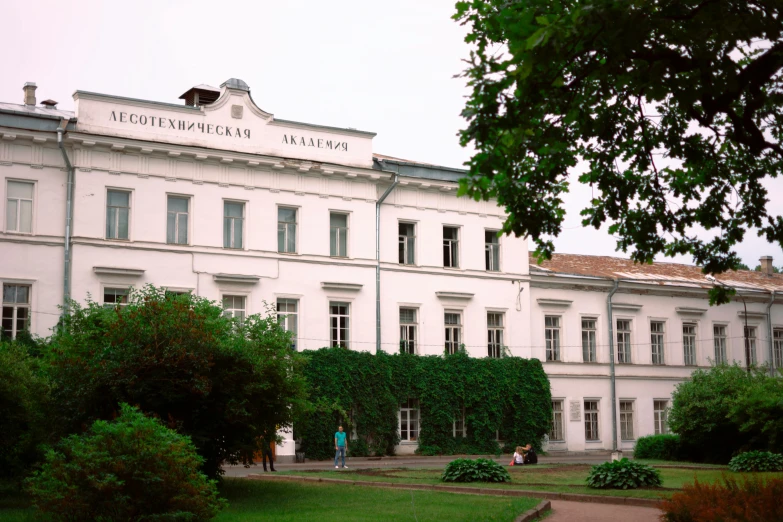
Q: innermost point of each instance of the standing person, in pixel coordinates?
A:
(340, 446)
(266, 452)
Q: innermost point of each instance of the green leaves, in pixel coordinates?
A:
(479, 470)
(756, 461)
(623, 474)
(676, 120)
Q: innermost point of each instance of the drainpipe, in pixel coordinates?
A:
(395, 181)
(611, 367)
(68, 219)
(769, 333)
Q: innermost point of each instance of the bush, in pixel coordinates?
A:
(479, 470)
(756, 461)
(748, 501)
(623, 474)
(24, 392)
(133, 468)
(220, 382)
(661, 447)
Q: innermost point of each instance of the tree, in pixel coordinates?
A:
(673, 107)
(219, 381)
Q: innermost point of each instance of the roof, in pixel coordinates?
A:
(413, 169)
(30, 110)
(670, 274)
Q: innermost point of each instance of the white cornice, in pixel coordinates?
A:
(112, 270)
(237, 278)
(454, 295)
(554, 302)
(687, 310)
(329, 285)
(84, 95)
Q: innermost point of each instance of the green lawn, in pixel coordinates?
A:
(251, 500)
(561, 478)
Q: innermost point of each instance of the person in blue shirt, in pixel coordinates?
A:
(340, 446)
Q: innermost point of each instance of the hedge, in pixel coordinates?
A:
(363, 392)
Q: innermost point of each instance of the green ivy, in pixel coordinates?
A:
(363, 392)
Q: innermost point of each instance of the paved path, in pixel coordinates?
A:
(404, 462)
(563, 511)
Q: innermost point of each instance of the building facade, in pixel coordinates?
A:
(350, 248)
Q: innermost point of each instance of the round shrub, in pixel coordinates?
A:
(623, 474)
(660, 447)
(132, 468)
(756, 461)
(479, 470)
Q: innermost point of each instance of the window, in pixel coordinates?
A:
(626, 420)
(591, 421)
(656, 341)
(286, 230)
(338, 234)
(460, 430)
(407, 243)
(777, 348)
(689, 344)
(557, 432)
(719, 338)
(588, 339)
(16, 310)
(288, 317)
(408, 337)
(660, 416)
(19, 207)
(494, 334)
(177, 220)
(338, 320)
(234, 306)
(113, 297)
(233, 224)
(453, 322)
(409, 420)
(552, 335)
(750, 348)
(117, 214)
(492, 250)
(623, 341)
(451, 247)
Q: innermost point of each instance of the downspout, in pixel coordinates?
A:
(395, 181)
(769, 333)
(68, 219)
(611, 364)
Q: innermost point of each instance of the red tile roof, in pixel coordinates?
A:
(619, 268)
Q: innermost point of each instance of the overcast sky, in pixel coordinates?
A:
(386, 67)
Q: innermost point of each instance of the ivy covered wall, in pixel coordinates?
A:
(509, 396)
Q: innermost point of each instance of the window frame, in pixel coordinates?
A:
(33, 213)
(284, 317)
(188, 199)
(553, 343)
(15, 306)
(339, 341)
(286, 226)
(496, 335)
(777, 348)
(555, 415)
(489, 248)
(627, 419)
(592, 340)
(691, 342)
(130, 194)
(107, 287)
(406, 243)
(627, 343)
(231, 312)
(595, 420)
(453, 247)
(406, 344)
(450, 346)
(660, 417)
(242, 219)
(752, 342)
(410, 406)
(658, 339)
(347, 233)
(723, 358)
(463, 431)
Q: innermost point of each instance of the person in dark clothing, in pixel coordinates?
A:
(530, 455)
(266, 452)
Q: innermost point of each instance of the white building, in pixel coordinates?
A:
(220, 198)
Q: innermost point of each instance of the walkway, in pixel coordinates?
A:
(563, 511)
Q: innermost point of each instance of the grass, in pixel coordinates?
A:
(564, 478)
(251, 500)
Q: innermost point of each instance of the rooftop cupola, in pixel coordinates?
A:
(200, 95)
(235, 83)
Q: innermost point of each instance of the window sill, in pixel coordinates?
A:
(289, 253)
(15, 233)
(409, 443)
(117, 239)
(593, 442)
(185, 244)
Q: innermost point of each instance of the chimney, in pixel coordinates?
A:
(29, 93)
(766, 265)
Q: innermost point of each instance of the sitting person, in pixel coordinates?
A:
(530, 455)
(519, 457)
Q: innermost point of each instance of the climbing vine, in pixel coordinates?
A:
(507, 397)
